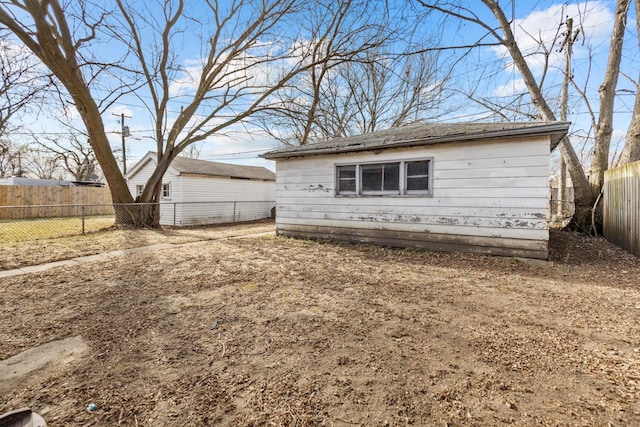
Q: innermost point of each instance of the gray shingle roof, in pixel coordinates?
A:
(185, 165)
(425, 134)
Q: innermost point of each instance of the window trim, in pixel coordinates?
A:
(429, 177)
(403, 192)
(357, 180)
(364, 192)
(167, 197)
(139, 189)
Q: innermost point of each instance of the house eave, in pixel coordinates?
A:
(205, 175)
(555, 130)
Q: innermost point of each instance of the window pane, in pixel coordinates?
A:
(371, 178)
(392, 177)
(346, 179)
(418, 184)
(418, 168)
(382, 177)
(347, 186)
(346, 172)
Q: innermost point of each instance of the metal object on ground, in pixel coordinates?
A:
(23, 417)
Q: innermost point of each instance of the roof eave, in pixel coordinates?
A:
(139, 165)
(556, 131)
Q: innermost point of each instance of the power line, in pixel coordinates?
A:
(242, 152)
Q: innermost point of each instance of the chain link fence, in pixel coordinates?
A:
(33, 222)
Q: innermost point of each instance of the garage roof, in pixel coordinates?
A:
(426, 134)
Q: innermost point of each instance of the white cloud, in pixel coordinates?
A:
(118, 110)
(242, 146)
(513, 87)
(253, 68)
(593, 19)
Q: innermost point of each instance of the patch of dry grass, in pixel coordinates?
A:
(276, 331)
(23, 230)
(41, 250)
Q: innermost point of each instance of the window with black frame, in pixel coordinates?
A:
(346, 179)
(380, 178)
(166, 191)
(417, 177)
(412, 177)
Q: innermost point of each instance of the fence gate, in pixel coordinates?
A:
(622, 207)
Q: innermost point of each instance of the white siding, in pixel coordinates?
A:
(141, 177)
(170, 212)
(210, 200)
(199, 199)
(495, 190)
(166, 209)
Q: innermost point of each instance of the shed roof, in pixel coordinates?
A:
(188, 166)
(426, 134)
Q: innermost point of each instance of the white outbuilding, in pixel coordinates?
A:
(198, 192)
(472, 187)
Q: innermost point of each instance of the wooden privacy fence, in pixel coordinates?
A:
(622, 207)
(29, 201)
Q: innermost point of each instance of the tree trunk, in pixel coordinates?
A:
(604, 128)
(631, 152)
(52, 44)
(584, 198)
(145, 210)
(562, 190)
(139, 215)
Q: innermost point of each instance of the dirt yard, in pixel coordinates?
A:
(273, 331)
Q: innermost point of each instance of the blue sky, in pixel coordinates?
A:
(542, 20)
(533, 19)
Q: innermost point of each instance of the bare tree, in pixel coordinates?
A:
(604, 128)
(11, 156)
(44, 29)
(631, 151)
(22, 89)
(299, 108)
(41, 164)
(192, 152)
(22, 83)
(250, 50)
(71, 153)
(388, 82)
(241, 70)
(585, 194)
(375, 90)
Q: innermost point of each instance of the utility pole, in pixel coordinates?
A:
(567, 45)
(125, 133)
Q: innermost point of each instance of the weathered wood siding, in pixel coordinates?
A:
(27, 201)
(622, 207)
(490, 197)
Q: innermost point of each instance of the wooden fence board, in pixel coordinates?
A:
(622, 207)
(25, 201)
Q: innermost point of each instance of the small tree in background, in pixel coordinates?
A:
(250, 50)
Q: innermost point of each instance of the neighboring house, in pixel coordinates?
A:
(473, 187)
(14, 180)
(200, 192)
